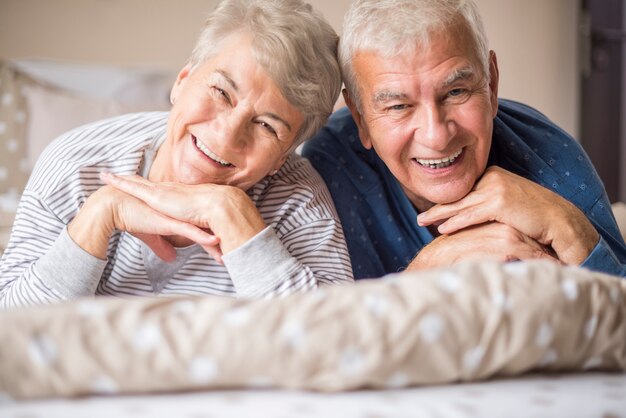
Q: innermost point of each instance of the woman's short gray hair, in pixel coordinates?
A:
(292, 42)
(392, 27)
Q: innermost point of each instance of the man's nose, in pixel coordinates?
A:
(436, 128)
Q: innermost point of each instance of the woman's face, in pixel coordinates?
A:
(229, 122)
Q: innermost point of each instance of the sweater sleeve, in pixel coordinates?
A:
(41, 263)
(303, 248)
(264, 267)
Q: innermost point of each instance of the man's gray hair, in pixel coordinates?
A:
(393, 27)
(292, 42)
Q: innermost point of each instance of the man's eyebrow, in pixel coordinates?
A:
(228, 79)
(466, 73)
(386, 95)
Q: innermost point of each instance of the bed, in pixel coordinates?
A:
(478, 339)
(538, 395)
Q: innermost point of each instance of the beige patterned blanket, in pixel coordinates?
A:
(470, 322)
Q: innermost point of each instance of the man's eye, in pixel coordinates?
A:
(457, 92)
(398, 107)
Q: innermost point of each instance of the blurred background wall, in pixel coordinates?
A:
(536, 40)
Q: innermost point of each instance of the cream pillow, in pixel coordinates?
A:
(13, 121)
(53, 111)
(469, 322)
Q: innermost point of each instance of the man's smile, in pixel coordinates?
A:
(440, 162)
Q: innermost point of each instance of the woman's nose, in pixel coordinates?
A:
(230, 129)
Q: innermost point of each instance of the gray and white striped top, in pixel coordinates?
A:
(302, 247)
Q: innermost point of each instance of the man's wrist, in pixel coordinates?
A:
(423, 257)
(574, 237)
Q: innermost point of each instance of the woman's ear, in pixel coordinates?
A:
(180, 78)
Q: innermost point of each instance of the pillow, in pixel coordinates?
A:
(14, 168)
(103, 82)
(53, 112)
(40, 100)
(469, 322)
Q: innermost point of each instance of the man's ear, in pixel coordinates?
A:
(358, 119)
(494, 78)
(180, 78)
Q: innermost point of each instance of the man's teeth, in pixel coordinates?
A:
(440, 162)
(211, 154)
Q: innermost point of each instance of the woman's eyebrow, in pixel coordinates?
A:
(234, 86)
(278, 119)
(228, 79)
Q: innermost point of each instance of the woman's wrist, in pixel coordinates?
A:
(92, 227)
(236, 219)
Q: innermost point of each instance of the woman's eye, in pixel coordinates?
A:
(222, 93)
(268, 128)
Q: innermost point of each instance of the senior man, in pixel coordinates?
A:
(428, 168)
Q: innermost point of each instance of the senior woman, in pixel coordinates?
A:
(205, 199)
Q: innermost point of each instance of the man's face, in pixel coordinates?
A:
(429, 116)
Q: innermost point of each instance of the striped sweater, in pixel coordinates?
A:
(302, 247)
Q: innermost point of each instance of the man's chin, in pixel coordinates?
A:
(428, 195)
(447, 196)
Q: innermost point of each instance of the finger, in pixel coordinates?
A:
(476, 215)
(153, 222)
(192, 232)
(172, 199)
(438, 213)
(529, 253)
(163, 249)
(543, 255)
(133, 185)
(215, 252)
(441, 212)
(157, 195)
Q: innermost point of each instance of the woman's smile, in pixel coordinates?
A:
(210, 154)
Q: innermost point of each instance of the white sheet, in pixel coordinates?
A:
(565, 395)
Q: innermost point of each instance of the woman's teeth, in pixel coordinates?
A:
(440, 162)
(211, 154)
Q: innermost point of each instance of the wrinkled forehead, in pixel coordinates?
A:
(378, 71)
(454, 36)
